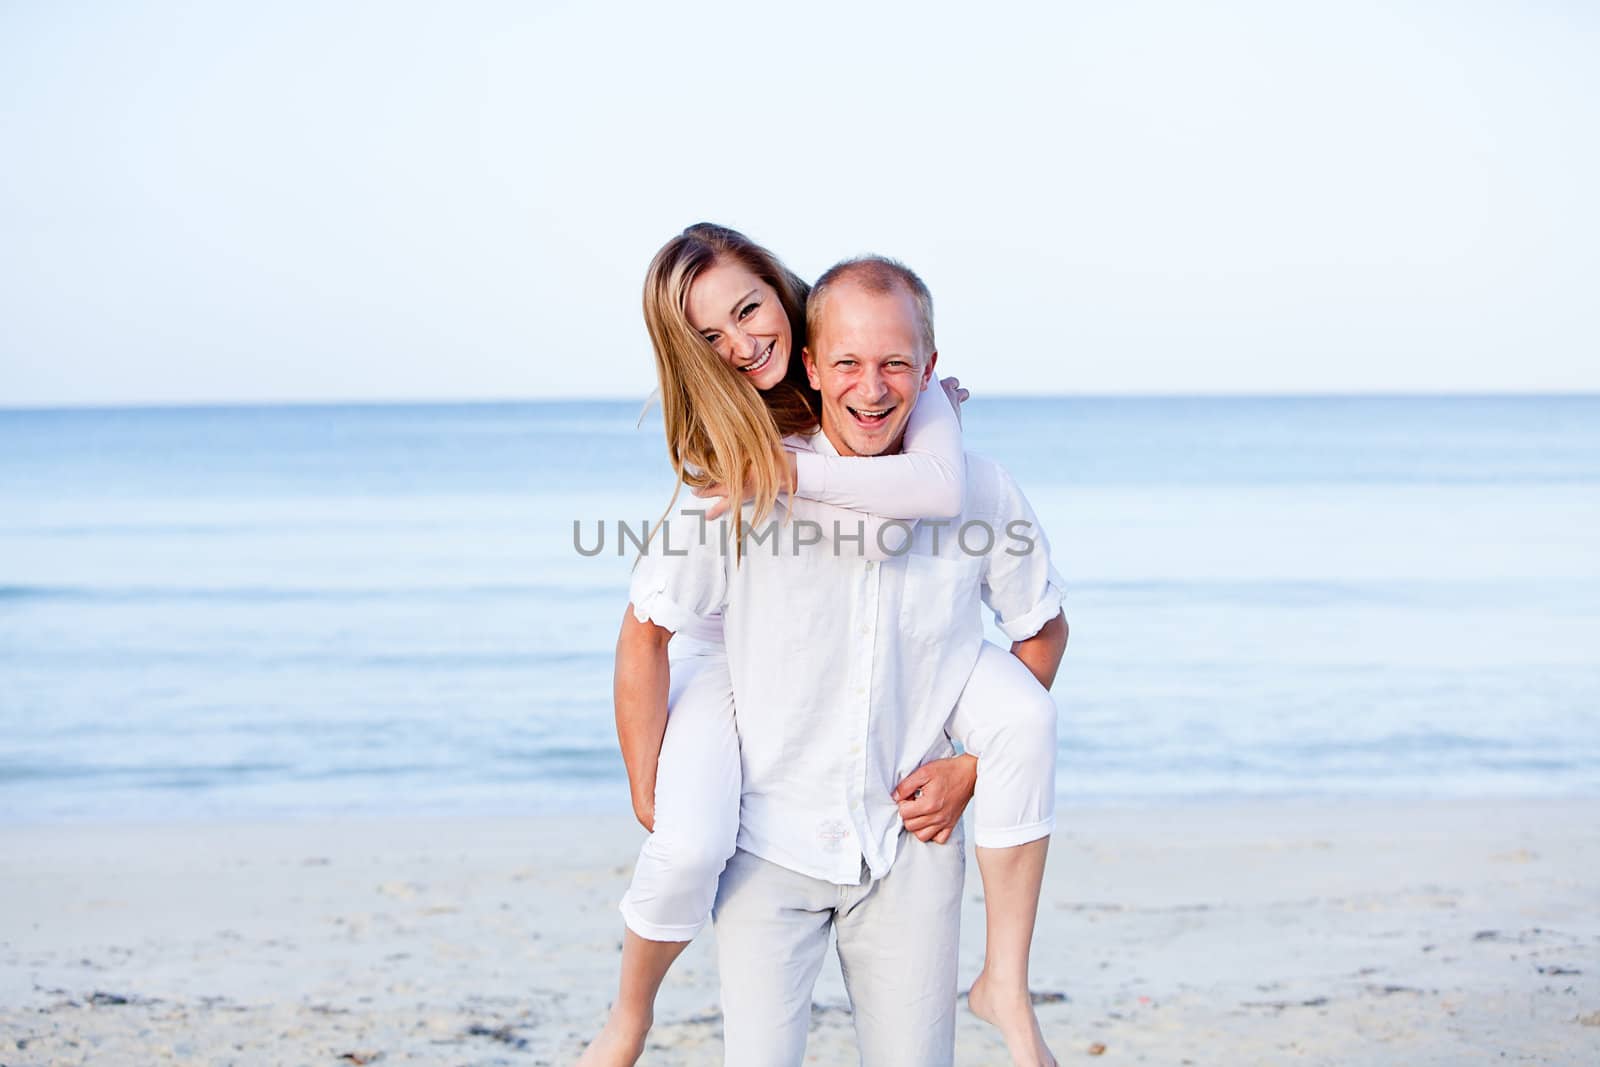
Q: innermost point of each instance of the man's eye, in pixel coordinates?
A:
(844, 363)
(749, 308)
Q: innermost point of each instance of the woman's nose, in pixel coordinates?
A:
(744, 346)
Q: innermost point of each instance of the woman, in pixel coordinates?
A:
(727, 321)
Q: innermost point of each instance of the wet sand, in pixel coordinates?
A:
(1321, 933)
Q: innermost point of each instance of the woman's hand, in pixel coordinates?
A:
(955, 394)
(718, 494)
(933, 796)
(724, 498)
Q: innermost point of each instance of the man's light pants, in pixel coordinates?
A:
(897, 941)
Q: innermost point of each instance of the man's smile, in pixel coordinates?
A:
(870, 418)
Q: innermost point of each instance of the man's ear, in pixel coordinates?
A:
(810, 362)
(927, 370)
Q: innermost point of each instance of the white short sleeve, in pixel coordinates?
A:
(682, 573)
(1020, 585)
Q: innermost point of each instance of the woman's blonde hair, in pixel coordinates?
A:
(720, 428)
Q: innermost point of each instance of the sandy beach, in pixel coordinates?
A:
(1411, 933)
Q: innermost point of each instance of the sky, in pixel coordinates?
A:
(228, 202)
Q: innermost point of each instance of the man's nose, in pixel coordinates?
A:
(872, 384)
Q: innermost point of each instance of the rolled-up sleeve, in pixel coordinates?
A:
(681, 575)
(1021, 584)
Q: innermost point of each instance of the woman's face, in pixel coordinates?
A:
(743, 319)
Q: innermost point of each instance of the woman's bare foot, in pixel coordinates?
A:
(619, 1044)
(1011, 1011)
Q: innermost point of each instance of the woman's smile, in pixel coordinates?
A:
(761, 361)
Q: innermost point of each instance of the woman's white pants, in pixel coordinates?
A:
(1004, 717)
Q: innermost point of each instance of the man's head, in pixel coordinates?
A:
(869, 351)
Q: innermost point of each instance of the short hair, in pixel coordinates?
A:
(875, 274)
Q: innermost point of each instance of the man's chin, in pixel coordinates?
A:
(877, 444)
(861, 441)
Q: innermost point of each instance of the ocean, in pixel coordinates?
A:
(287, 611)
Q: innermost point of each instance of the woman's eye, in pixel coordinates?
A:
(748, 308)
(711, 338)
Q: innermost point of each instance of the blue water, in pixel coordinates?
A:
(258, 612)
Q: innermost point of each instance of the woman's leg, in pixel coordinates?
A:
(620, 1042)
(675, 880)
(1008, 720)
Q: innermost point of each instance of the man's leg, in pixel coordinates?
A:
(772, 933)
(897, 947)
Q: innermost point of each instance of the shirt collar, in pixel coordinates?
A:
(820, 443)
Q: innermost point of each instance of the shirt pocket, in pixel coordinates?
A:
(940, 603)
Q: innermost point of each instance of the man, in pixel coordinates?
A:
(845, 671)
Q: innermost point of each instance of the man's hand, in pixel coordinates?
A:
(933, 796)
(642, 680)
(1042, 652)
(644, 809)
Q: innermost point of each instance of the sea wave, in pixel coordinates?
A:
(267, 593)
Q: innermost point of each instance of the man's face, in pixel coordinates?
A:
(867, 361)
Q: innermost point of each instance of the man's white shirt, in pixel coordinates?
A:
(845, 669)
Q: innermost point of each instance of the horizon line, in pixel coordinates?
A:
(649, 400)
